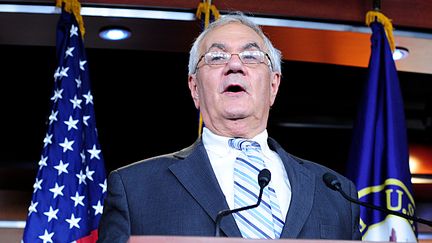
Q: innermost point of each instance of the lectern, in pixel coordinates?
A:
(195, 239)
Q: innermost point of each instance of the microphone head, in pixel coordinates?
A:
(264, 178)
(332, 181)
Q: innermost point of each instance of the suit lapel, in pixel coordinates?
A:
(302, 191)
(196, 175)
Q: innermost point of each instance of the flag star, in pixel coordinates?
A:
(57, 190)
(32, 207)
(73, 222)
(89, 173)
(67, 145)
(53, 117)
(47, 139)
(42, 162)
(46, 237)
(78, 199)
(63, 72)
(104, 186)
(57, 74)
(81, 177)
(83, 157)
(78, 81)
(88, 97)
(98, 208)
(71, 123)
(85, 118)
(57, 95)
(37, 185)
(76, 102)
(82, 63)
(61, 168)
(69, 51)
(94, 153)
(73, 31)
(51, 214)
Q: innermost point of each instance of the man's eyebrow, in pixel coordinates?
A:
(222, 47)
(251, 45)
(217, 45)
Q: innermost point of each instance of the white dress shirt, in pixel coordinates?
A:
(222, 158)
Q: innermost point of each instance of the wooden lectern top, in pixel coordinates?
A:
(196, 239)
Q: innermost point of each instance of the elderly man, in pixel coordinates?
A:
(234, 76)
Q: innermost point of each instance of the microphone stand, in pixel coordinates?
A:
(264, 178)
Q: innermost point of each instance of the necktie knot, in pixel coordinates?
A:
(244, 144)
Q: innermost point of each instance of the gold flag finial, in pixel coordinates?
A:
(374, 15)
(73, 6)
(207, 9)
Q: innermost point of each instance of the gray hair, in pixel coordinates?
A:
(237, 17)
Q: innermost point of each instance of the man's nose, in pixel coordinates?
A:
(234, 64)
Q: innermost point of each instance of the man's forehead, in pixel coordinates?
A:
(232, 35)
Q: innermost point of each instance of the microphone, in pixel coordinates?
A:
(264, 178)
(333, 183)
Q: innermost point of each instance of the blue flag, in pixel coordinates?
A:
(70, 186)
(378, 160)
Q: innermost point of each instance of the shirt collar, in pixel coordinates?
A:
(219, 144)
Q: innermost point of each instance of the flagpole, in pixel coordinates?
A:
(206, 8)
(377, 5)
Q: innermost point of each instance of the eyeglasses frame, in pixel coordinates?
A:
(231, 54)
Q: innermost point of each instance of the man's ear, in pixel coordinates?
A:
(274, 86)
(193, 87)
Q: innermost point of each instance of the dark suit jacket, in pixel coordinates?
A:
(178, 194)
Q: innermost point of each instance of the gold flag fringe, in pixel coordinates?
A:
(73, 6)
(372, 16)
(206, 7)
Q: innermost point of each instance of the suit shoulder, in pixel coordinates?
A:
(149, 162)
(156, 163)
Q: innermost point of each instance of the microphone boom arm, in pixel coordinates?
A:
(264, 177)
(333, 183)
(384, 210)
(226, 212)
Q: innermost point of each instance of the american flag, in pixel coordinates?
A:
(70, 186)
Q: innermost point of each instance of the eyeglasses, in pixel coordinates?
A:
(246, 57)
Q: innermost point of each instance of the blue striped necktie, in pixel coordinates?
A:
(265, 221)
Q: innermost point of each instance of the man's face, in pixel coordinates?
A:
(234, 98)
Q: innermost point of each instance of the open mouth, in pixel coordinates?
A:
(234, 89)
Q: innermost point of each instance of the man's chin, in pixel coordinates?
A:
(236, 115)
